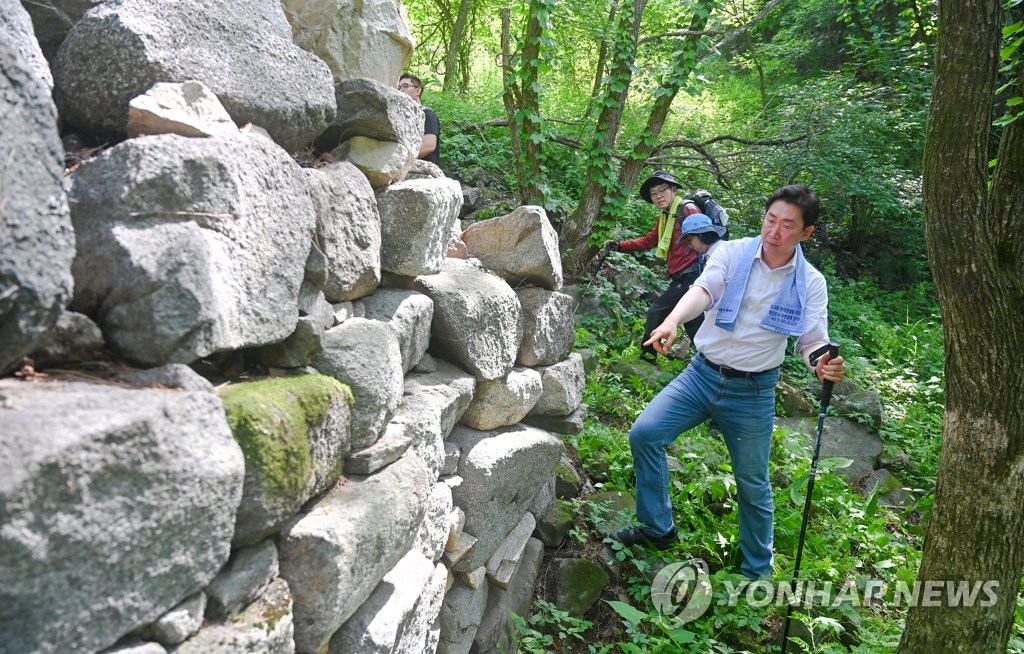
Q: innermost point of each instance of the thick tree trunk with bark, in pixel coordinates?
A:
(597, 193)
(602, 58)
(576, 228)
(523, 100)
(509, 88)
(452, 60)
(630, 172)
(975, 224)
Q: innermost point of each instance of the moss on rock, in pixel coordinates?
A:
(270, 419)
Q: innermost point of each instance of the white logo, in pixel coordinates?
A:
(682, 591)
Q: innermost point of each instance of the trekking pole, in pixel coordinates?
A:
(597, 268)
(826, 396)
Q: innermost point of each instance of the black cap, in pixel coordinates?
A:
(659, 176)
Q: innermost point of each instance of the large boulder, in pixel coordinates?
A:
(563, 387)
(16, 29)
(409, 314)
(383, 162)
(501, 402)
(431, 406)
(416, 219)
(380, 622)
(364, 38)
(365, 354)
(347, 230)
(521, 246)
(190, 246)
(294, 432)
(73, 339)
(849, 399)
(35, 230)
(242, 51)
(502, 471)
(336, 553)
(52, 19)
(117, 504)
(548, 329)
(842, 438)
(433, 533)
(370, 109)
(185, 108)
(478, 321)
(461, 616)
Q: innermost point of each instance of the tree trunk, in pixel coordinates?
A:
(600, 167)
(602, 59)
(529, 187)
(682, 68)
(451, 60)
(605, 200)
(974, 224)
(509, 95)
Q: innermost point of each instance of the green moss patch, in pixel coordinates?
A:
(271, 419)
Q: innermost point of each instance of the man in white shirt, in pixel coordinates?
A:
(756, 292)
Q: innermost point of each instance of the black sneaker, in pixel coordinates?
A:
(638, 535)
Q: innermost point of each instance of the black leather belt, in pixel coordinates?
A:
(726, 371)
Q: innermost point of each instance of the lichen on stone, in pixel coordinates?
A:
(270, 419)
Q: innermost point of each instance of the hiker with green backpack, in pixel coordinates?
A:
(662, 190)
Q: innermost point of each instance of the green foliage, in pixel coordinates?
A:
(548, 629)
(893, 341)
(1011, 91)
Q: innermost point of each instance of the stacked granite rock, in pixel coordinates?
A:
(379, 490)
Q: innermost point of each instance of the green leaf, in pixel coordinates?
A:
(629, 613)
(1008, 51)
(796, 490)
(836, 463)
(680, 636)
(872, 505)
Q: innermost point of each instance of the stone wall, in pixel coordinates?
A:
(245, 404)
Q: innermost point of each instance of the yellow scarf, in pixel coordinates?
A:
(666, 223)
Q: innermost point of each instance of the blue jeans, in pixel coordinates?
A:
(744, 410)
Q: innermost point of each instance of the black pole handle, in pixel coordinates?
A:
(827, 384)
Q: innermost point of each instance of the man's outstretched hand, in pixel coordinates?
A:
(662, 337)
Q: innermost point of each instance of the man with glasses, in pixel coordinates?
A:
(430, 148)
(757, 293)
(666, 238)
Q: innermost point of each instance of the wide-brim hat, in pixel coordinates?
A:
(698, 223)
(658, 177)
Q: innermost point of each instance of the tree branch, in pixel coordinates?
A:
(741, 30)
(678, 34)
(712, 162)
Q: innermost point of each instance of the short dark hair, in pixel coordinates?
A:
(415, 80)
(799, 195)
(708, 238)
